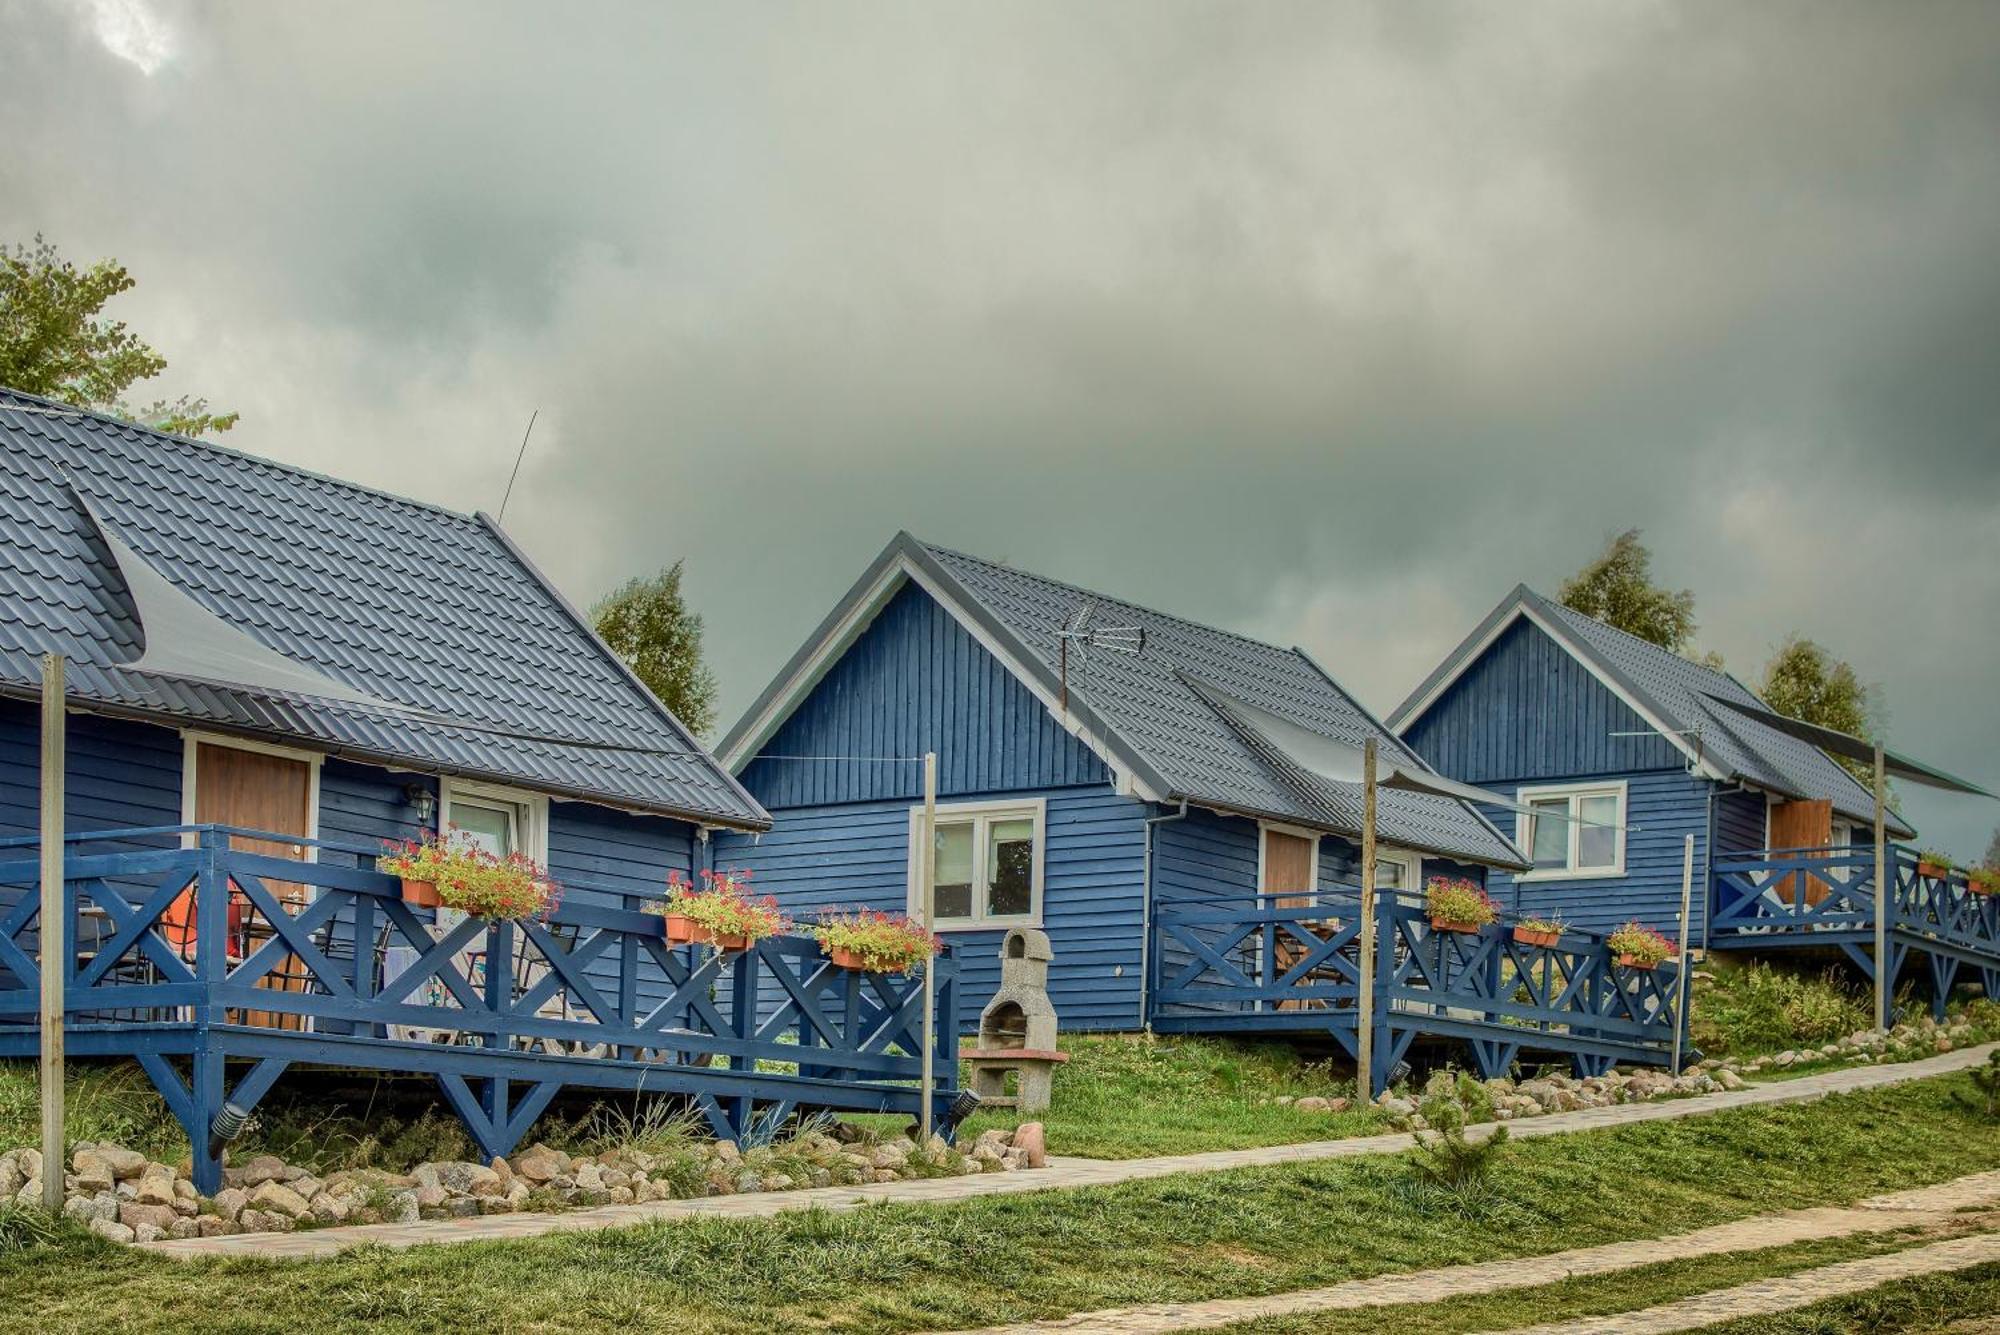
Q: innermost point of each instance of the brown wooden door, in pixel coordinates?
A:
(1802, 825)
(259, 791)
(1288, 867)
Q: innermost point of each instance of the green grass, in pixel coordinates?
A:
(996, 1259)
(1128, 1096)
(1598, 1295)
(1742, 1008)
(1963, 1302)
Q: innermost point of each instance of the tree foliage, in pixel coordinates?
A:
(647, 623)
(1617, 589)
(55, 343)
(1993, 852)
(1806, 682)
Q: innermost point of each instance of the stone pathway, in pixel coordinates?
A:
(1880, 1214)
(1061, 1173)
(1786, 1293)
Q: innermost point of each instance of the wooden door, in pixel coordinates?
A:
(1288, 868)
(1801, 825)
(260, 791)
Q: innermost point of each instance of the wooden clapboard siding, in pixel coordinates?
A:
(858, 856)
(1666, 806)
(118, 775)
(1527, 709)
(915, 680)
(1739, 821)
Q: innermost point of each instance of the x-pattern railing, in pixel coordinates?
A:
(592, 981)
(1833, 890)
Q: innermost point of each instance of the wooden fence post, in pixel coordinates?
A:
(1681, 978)
(927, 892)
(1364, 1075)
(54, 933)
(1883, 889)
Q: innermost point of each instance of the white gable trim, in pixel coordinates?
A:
(835, 644)
(1471, 654)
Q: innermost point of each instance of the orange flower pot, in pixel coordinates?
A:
(1529, 937)
(682, 930)
(846, 959)
(1634, 962)
(421, 894)
(1932, 869)
(1446, 925)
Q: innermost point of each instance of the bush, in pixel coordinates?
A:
(1748, 1009)
(1444, 1159)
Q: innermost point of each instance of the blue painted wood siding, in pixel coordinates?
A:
(858, 856)
(117, 775)
(915, 681)
(1527, 710)
(1666, 806)
(1741, 824)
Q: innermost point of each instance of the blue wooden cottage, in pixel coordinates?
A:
(1567, 715)
(269, 673)
(1152, 811)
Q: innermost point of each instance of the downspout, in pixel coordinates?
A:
(1146, 915)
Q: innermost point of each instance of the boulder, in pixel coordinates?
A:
(274, 1197)
(148, 1233)
(264, 1221)
(124, 1163)
(133, 1214)
(470, 1179)
(1313, 1103)
(1029, 1139)
(539, 1165)
(210, 1226)
(156, 1185)
(329, 1208)
(93, 1174)
(229, 1202)
(261, 1169)
(112, 1229)
(104, 1205)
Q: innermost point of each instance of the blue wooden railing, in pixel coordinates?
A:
(1251, 963)
(323, 962)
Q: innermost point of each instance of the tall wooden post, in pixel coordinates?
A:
(1364, 1075)
(927, 898)
(1681, 979)
(1882, 889)
(54, 933)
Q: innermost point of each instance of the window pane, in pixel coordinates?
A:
(1391, 875)
(487, 827)
(1548, 839)
(1011, 868)
(952, 869)
(1597, 845)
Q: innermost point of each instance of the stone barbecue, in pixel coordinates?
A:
(1017, 1030)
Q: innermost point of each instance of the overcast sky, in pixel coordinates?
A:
(1326, 323)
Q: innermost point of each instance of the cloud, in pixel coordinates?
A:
(1325, 323)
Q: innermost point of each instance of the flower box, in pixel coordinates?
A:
(1529, 936)
(682, 930)
(421, 894)
(1447, 925)
(874, 942)
(844, 958)
(1935, 870)
(1642, 964)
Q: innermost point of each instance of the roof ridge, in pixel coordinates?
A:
(1674, 654)
(1102, 596)
(231, 452)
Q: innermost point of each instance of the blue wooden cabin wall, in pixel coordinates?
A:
(916, 680)
(1527, 713)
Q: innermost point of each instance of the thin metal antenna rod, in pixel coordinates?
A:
(519, 455)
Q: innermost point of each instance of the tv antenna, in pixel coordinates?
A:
(1079, 630)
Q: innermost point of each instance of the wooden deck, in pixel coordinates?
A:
(1250, 964)
(346, 975)
(1824, 898)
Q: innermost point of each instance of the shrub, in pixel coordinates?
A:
(884, 944)
(722, 906)
(1744, 1009)
(1455, 899)
(1444, 1158)
(1639, 943)
(1986, 1083)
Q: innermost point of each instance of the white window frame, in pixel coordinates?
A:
(1406, 858)
(193, 740)
(534, 807)
(1575, 792)
(982, 815)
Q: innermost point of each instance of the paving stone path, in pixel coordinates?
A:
(1880, 1214)
(1061, 1173)
(1766, 1297)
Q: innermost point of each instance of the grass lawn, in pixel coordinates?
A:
(1610, 1294)
(1130, 1096)
(996, 1259)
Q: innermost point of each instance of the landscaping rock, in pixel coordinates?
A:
(263, 1168)
(124, 1163)
(1029, 1140)
(156, 1185)
(112, 1229)
(93, 1174)
(229, 1202)
(274, 1197)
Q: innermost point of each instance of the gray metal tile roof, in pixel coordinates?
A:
(1672, 688)
(429, 609)
(1153, 705)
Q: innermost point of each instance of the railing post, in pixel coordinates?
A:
(499, 979)
(54, 931)
(211, 919)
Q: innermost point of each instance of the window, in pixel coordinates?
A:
(498, 820)
(1397, 870)
(987, 861)
(1573, 832)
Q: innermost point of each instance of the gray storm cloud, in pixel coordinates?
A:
(1324, 323)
